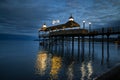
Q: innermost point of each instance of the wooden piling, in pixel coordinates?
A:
(72, 46)
(78, 46)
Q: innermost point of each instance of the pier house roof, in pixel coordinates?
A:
(70, 24)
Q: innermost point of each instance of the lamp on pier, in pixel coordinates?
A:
(44, 25)
(83, 24)
(71, 18)
(90, 26)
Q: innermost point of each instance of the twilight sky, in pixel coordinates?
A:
(27, 16)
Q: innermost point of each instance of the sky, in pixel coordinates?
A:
(27, 16)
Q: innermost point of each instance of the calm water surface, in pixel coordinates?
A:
(26, 60)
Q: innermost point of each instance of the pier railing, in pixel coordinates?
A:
(108, 29)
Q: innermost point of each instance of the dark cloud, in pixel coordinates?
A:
(26, 16)
(21, 14)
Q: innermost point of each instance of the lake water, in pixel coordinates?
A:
(26, 60)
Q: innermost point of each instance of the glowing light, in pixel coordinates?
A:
(90, 23)
(44, 26)
(83, 21)
(58, 21)
(83, 24)
(71, 19)
(55, 21)
(55, 67)
(41, 63)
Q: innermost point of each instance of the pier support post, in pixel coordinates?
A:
(69, 45)
(56, 44)
(102, 46)
(72, 46)
(62, 45)
(83, 44)
(52, 43)
(39, 36)
(49, 42)
(108, 47)
(59, 43)
(89, 45)
(102, 49)
(82, 54)
(78, 46)
(93, 47)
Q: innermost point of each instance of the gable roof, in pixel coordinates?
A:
(69, 24)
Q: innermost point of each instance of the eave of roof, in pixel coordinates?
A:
(69, 24)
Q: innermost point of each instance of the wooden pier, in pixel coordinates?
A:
(57, 37)
(71, 31)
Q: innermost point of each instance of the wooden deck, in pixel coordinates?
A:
(69, 32)
(78, 32)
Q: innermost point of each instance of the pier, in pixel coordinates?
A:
(61, 40)
(72, 31)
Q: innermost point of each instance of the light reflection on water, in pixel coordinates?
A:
(90, 70)
(41, 63)
(45, 60)
(70, 71)
(60, 64)
(56, 63)
(86, 70)
(20, 62)
(83, 71)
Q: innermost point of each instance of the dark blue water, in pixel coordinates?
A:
(26, 60)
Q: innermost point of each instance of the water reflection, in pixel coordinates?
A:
(86, 70)
(70, 71)
(56, 63)
(83, 71)
(117, 46)
(50, 64)
(90, 69)
(41, 63)
(69, 67)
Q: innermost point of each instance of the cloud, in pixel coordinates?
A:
(26, 16)
(17, 14)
